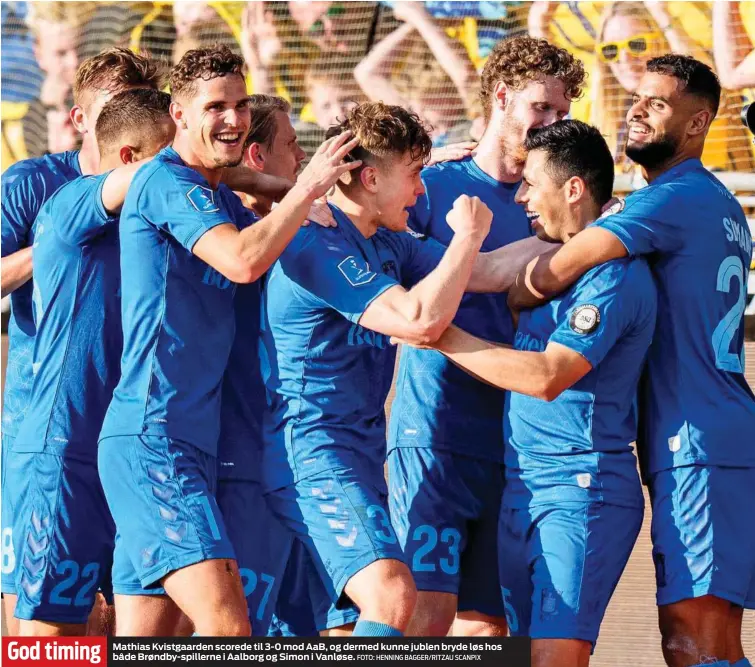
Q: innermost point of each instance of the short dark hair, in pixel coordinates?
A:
(698, 79)
(133, 113)
(115, 70)
(203, 64)
(575, 148)
(384, 131)
(264, 128)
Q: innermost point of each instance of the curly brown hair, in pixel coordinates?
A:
(384, 131)
(203, 64)
(115, 70)
(519, 60)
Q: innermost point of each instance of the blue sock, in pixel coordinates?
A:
(375, 629)
(744, 662)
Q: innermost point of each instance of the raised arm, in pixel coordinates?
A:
(422, 313)
(544, 375)
(449, 53)
(551, 273)
(733, 50)
(496, 271)
(373, 73)
(17, 269)
(243, 256)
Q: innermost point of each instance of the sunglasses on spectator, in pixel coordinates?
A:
(637, 45)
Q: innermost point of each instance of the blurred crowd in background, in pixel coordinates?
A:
(325, 56)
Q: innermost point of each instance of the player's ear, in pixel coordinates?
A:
(699, 123)
(127, 154)
(255, 156)
(177, 114)
(79, 119)
(499, 97)
(574, 189)
(368, 178)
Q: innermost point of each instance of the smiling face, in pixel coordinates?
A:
(397, 186)
(215, 120)
(543, 198)
(658, 119)
(629, 66)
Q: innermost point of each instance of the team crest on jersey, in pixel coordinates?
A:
(356, 271)
(202, 199)
(613, 209)
(585, 319)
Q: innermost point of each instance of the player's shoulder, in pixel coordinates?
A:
(625, 273)
(46, 170)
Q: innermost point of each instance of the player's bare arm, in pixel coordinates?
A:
(17, 269)
(423, 312)
(243, 179)
(543, 375)
(243, 256)
(551, 273)
(496, 271)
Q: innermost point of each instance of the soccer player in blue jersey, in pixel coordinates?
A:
(697, 412)
(26, 186)
(259, 539)
(330, 303)
(186, 240)
(60, 508)
(572, 504)
(446, 428)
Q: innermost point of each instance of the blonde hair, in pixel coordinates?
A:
(73, 14)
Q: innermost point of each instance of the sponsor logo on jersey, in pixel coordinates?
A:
(585, 319)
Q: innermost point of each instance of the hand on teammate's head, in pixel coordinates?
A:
(327, 164)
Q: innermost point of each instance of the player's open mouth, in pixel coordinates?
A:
(639, 131)
(533, 217)
(229, 138)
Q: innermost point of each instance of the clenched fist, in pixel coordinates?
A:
(470, 215)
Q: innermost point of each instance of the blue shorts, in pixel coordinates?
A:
(162, 496)
(8, 567)
(341, 517)
(64, 535)
(261, 544)
(703, 533)
(445, 509)
(304, 608)
(560, 564)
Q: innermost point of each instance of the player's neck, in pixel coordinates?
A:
(191, 159)
(651, 174)
(496, 162)
(360, 215)
(580, 217)
(89, 156)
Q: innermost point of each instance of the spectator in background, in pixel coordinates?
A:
(572, 26)
(441, 92)
(630, 34)
(56, 29)
(734, 46)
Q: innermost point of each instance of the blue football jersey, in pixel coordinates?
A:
(243, 402)
(437, 404)
(178, 316)
(26, 186)
(697, 407)
(78, 343)
(578, 446)
(327, 377)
